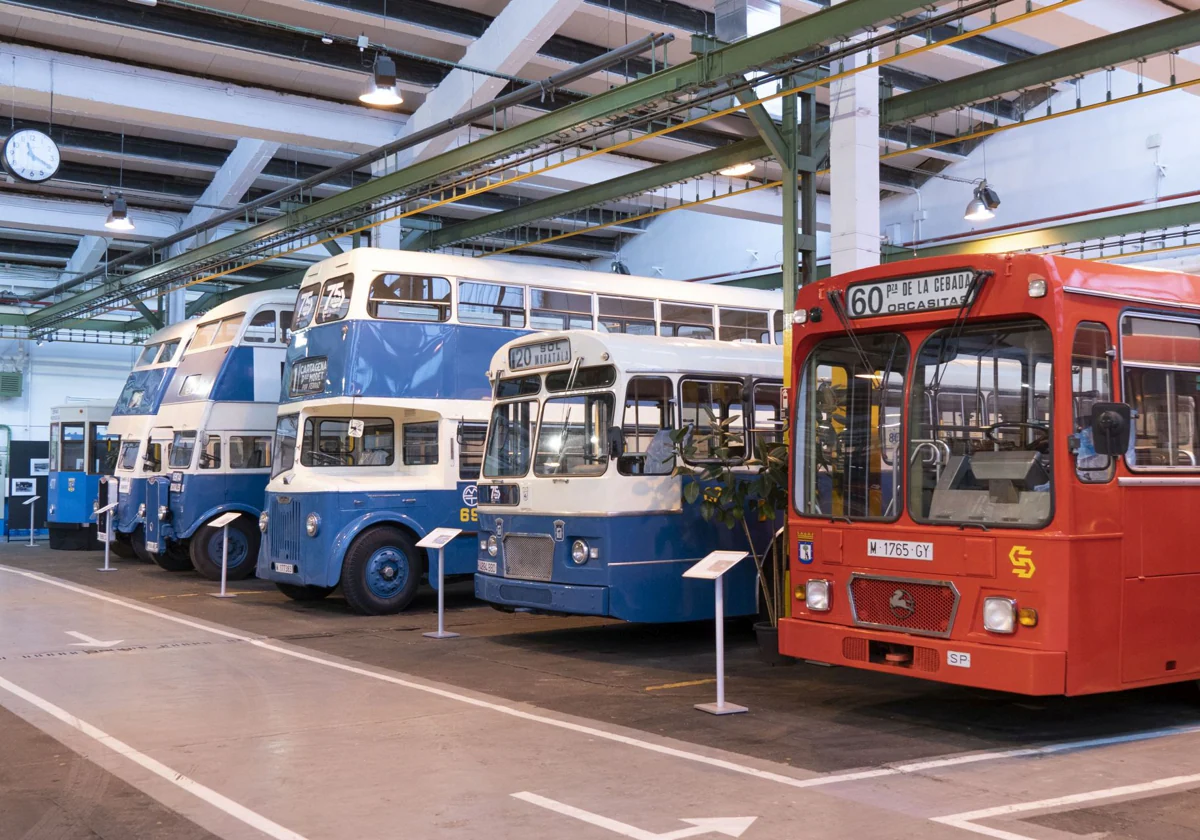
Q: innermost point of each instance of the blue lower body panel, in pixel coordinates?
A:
(547, 597)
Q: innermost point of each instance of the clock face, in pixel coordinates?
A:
(31, 156)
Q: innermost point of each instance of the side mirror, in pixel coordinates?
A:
(616, 442)
(1111, 426)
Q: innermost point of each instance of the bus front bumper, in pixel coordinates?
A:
(544, 597)
(996, 667)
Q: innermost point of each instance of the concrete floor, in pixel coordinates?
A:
(257, 716)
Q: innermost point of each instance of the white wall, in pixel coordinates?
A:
(1073, 164)
(55, 372)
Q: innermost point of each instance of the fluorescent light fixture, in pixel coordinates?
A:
(738, 169)
(381, 90)
(118, 216)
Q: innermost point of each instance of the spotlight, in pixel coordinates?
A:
(118, 216)
(982, 203)
(381, 90)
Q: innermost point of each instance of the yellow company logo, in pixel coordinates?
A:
(1022, 560)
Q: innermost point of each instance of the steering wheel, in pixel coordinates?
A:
(1020, 424)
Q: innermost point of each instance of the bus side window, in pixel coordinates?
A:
(701, 400)
(490, 304)
(249, 452)
(767, 418)
(420, 445)
(646, 426)
(471, 437)
(104, 450)
(686, 320)
(261, 329)
(626, 315)
(1161, 362)
(744, 325)
(73, 443)
(409, 297)
(1091, 383)
(210, 456)
(554, 310)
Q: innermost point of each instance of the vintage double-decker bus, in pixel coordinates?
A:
(995, 472)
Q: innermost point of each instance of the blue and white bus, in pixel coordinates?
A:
(82, 451)
(386, 399)
(579, 512)
(132, 418)
(214, 432)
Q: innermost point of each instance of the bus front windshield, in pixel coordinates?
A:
(283, 456)
(510, 439)
(851, 398)
(573, 438)
(979, 442)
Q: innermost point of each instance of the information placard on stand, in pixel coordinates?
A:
(223, 522)
(713, 567)
(105, 536)
(439, 538)
(29, 504)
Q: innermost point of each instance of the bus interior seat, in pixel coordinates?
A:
(374, 458)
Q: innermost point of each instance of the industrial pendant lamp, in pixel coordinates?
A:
(118, 216)
(982, 203)
(381, 90)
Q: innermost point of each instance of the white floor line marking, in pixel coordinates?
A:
(662, 749)
(729, 826)
(968, 819)
(207, 794)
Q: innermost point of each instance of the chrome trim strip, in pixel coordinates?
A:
(1158, 481)
(655, 562)
(1131, 298)
(924, 581)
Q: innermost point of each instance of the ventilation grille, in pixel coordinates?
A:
(528, 557)
(912, 606)
(11, 383)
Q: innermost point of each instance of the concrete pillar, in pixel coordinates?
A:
(854, 167)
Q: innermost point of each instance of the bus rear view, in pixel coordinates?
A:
(958, 514)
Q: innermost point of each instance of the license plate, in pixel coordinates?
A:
(124, 484)
(911, 294)
(152, 547)
(284, 568)
(955, 659)
(898, 550)
(540, 354)
(488, 567)
(177, 488)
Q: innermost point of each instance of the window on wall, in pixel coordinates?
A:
(744, 325)
(702, 401)
(409, 297)
(646, 424)
(626, 315)
(73, 448)
(471, 437)
(261, 329)
(491, 304)
(249, 452)
(1161, 361)
(685, 320)
(1091, 383)
(554, 310)
(335, 299)
(210, 455)
(420, 444)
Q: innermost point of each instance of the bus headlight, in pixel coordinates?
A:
(142, 511)
(52, 509)
(493, 547)
(999, 615)
(163, 513)
(312, 524)
(579, 552)
(263, 519)
(816, 595)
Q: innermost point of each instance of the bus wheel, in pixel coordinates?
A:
(122, 547)
(304, 593)
(243, 549)
(137, 541)
(382, 572)
(174, 559)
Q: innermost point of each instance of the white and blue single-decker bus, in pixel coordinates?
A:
(82, 452)
(386, 399)
(579, 510)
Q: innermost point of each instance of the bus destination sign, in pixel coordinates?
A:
(911, 294)
(539, 355)
(308, 376)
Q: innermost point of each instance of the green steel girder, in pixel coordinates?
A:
(150, 316)
(1162, 218)
(610, 190)
(768, 49)
(1119, 48)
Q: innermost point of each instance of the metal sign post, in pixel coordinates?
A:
(438, 538)
(223, 522)
(106, 512)
(713, 567)
(29, 504)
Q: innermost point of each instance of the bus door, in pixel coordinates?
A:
(1160, 358)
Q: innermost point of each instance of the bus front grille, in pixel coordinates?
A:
(528, 556)
(921, 607)
(283, 531)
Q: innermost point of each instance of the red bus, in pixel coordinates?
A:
(995, 474)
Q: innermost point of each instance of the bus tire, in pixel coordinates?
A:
(205, 549)
(122, 546)
(137, 541)
(304, 593)
(382, 571)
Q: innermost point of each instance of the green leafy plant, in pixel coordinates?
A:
(733, 489)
